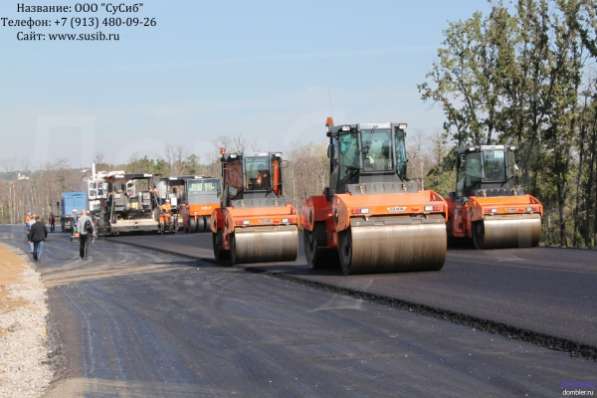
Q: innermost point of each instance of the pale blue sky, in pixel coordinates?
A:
(267, 70)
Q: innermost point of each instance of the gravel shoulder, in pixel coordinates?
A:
(24, 368)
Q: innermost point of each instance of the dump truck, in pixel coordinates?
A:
(255, 222)
(131, 204)
(371, 217)
(489, 207)
(72, 204)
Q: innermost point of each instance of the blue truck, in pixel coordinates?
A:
(72, 205)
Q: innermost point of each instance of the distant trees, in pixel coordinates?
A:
(37, 191)
(307, 171)
(526, 76)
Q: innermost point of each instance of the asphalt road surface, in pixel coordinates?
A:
(546, 290)
(134, 322)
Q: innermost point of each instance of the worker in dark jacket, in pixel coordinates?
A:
(37, 235)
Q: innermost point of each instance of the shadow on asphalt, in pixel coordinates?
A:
(186, 263)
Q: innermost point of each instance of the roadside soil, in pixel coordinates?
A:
(24, 368)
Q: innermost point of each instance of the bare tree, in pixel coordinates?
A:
(175, 158)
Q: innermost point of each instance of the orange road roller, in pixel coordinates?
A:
(255, 222)
(371, 218)
(202, 198)
(489, 207)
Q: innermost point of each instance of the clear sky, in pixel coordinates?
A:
(269, 71)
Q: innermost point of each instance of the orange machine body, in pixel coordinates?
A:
(462, 214)
(229, 220)
(202, 209)
(343, 209)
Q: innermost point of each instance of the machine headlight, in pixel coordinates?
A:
(364, 210)
(284, 221)
(428, 208)
(493, 211)
(246, 222)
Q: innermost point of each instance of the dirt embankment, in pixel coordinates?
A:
(24, 369)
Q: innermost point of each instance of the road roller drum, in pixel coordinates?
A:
(507, 231)
(266, 243)
(400, 244)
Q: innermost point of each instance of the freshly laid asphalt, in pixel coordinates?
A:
(131, 321)
(545, 290)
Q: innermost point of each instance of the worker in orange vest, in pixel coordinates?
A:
(28, 220)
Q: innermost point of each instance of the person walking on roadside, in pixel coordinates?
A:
(52, 221)
(37, 235)
(86, 232)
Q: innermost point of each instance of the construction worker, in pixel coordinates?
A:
(165, 215)
(29, 220)
(86, 232)
(52, 221)
(37, 235)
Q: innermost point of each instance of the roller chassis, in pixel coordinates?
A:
(254, 234)
(496, 222)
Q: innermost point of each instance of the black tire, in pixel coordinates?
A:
(222, 257)
(479, 235)
(192, 225)
(232, 252)
(318, 257)
(206, 222)
(200, 224)
(345, 251)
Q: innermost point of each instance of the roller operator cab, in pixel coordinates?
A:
(489, 207)
(255, 222)
(371, 218)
